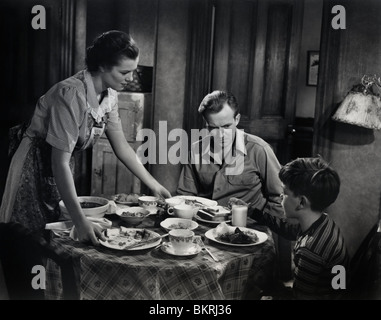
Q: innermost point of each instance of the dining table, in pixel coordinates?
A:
(104, 273)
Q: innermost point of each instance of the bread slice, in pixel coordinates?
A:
(216, 214)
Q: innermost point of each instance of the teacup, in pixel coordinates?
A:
(183, 210)
(148, 202)
(171, 202)
(181, 240)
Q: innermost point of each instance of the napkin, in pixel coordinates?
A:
(112, 207)
(60, 226)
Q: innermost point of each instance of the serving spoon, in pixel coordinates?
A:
(150, 214)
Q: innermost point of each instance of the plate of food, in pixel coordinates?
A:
(236, 236)
(130, 199)
(123, 238)
(214, 215)
(198, 201)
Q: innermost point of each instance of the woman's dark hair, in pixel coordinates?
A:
(312, 178)
(108, 48)
(214, 102)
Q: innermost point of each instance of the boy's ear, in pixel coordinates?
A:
(103, 68)
(303, 202)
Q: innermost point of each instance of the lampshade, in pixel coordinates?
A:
(361, 108)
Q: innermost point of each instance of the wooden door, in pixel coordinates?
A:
(109, 176)
(255, 56)
(256, 53)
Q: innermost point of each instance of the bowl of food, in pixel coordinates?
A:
(92, 206)
(130, 199)
(178, 223)
(133, 216)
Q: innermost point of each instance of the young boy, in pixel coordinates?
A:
(309, 187)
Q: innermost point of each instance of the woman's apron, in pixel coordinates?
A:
(36, 198)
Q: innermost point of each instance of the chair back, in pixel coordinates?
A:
(364, 270)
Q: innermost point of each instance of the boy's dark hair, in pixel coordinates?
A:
(313, 178)
(214, 102)
(108, 48)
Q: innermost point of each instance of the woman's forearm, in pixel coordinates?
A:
(65, 184)
(128, 157)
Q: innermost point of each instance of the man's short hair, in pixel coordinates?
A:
(312, 178)
(214, 102)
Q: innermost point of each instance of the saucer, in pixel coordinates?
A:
(167, 248)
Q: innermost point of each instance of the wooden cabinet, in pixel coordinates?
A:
(109, 176)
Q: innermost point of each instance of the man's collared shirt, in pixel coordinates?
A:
(249, 172)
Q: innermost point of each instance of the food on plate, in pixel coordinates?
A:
(179, 225)
(239, 236)
(217, 213)
(225, 233)
(123, 237)
(212, 210)
(211, 217)
(194, 203)
(133, 214)
(127, 197)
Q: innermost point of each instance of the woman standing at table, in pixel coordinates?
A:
(68, 118)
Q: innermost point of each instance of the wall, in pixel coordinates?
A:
(138, 17)
(169, 82)
(306, 95)
(353, 151)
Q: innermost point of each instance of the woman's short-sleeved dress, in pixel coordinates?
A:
(69, 118)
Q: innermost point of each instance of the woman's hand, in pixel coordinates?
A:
(235, 201)
(161, 192)
(126, 154)
(88, 232)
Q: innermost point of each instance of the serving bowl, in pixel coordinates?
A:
(92, 206)
(133, 216)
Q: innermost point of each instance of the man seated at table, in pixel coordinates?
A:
(227, 162)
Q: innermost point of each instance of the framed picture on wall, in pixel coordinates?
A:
(312, 67)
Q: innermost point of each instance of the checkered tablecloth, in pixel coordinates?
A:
(107, 274)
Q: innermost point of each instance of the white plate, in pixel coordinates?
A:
(204, 201)
(178, 223)
(130, 241)
(262, 237)
(210, 221)
(167, 248)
